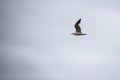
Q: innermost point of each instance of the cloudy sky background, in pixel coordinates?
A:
(35, 40)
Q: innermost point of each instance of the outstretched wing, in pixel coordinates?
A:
(77, 27)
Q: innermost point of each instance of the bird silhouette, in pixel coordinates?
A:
(78, 29)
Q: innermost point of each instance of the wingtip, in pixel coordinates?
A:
(80, 19)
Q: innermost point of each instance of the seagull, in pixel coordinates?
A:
(78, 29)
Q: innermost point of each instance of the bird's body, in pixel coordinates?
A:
(78, 34)
(78, 29)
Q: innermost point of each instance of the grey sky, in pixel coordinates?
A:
(36, 43)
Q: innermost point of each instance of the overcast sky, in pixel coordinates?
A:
(36, 43)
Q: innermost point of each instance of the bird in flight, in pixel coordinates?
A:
(78, 29)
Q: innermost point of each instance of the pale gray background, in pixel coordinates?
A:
(35, 40)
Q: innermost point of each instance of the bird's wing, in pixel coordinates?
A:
(77, 27)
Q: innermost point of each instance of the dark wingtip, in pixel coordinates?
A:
(80, 19)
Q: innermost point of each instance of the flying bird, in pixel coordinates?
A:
(78, 29)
